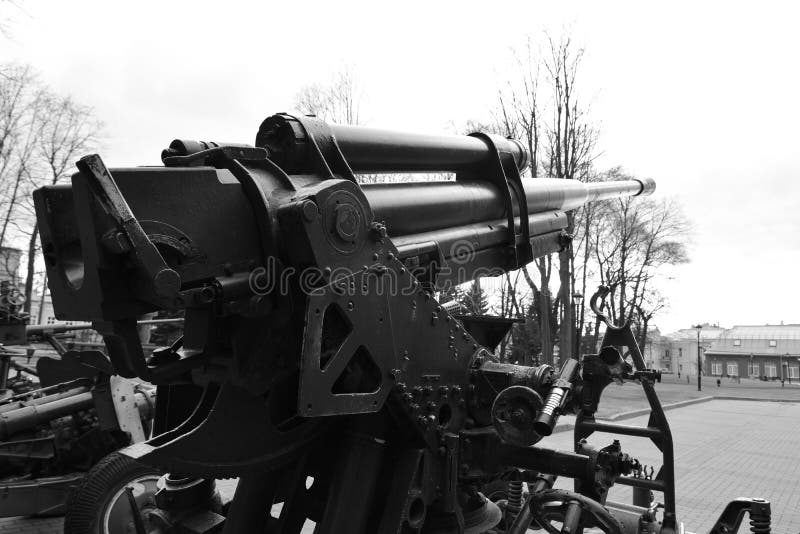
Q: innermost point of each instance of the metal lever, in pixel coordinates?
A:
(129, 234)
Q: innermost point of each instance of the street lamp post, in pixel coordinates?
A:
(783, 373)
(699, 368)
(577, 298)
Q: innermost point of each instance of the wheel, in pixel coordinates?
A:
(580, 512)
(100, 504)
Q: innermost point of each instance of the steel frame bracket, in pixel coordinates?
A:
(502, 171)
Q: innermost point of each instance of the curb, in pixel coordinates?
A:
(723, 397)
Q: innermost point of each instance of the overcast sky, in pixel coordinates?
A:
(701, 97)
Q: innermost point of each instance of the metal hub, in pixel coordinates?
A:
(119, 515)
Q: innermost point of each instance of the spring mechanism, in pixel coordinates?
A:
(549, 415)
(759, 523)
(553, 401)
(514, 497)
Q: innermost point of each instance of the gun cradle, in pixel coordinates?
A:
(314, 345)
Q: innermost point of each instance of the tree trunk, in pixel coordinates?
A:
(31, 265)
(42, 300)
(544, 321)
(11, 205)
(581, 314)
(567, 337)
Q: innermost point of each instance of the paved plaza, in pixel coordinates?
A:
(723, 449)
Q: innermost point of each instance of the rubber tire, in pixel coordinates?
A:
(87, 501)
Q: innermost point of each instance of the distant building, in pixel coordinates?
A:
(9, 264)
(681, 347)
(771, 351)
(42, 310)
(656, 350)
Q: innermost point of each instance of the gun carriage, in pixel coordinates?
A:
(316, 364)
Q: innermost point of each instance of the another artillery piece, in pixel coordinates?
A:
(51, 436)
(61, 416)
(315, 349)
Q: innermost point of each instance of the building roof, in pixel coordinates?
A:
(788, 332)
(706, 333)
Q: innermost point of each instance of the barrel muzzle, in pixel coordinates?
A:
(648, 186)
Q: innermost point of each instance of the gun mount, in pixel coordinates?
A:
(314, 346)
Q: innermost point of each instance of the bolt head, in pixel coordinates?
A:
(347, 221)
(310, 211)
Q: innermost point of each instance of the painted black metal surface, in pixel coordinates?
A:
(313, 330)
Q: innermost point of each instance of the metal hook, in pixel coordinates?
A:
(601, 293)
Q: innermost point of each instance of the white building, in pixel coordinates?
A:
(681, 347)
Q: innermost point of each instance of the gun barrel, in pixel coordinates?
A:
(31, 415)
(245, 202)
(42, 329)
(417, 207)
(373, 150)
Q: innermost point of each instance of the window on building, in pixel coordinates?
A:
(716, 368)
(51, 320)
(773, 343)
(737, 342)
(794, 372)
(752, 369)
(666, 353)
(680, 353)
(733, 369)
(770, 370)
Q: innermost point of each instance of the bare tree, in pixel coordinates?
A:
(630, 240)
(570, 148)
(67, 130)
(519, 113)
(540, 106)
(511, 302)
(41, 135)
(21, 98)
(8, 9)
(338, 102)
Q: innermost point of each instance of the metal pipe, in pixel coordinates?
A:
(33, 399)
(372, 150)
(375, 150)
(625, 430)
(17, 404)
(40, 329)
(418, 207)
(560, 463)
(27, 417)
(480, 236)
(656, 485)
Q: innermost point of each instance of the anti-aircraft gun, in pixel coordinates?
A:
(317, 365)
